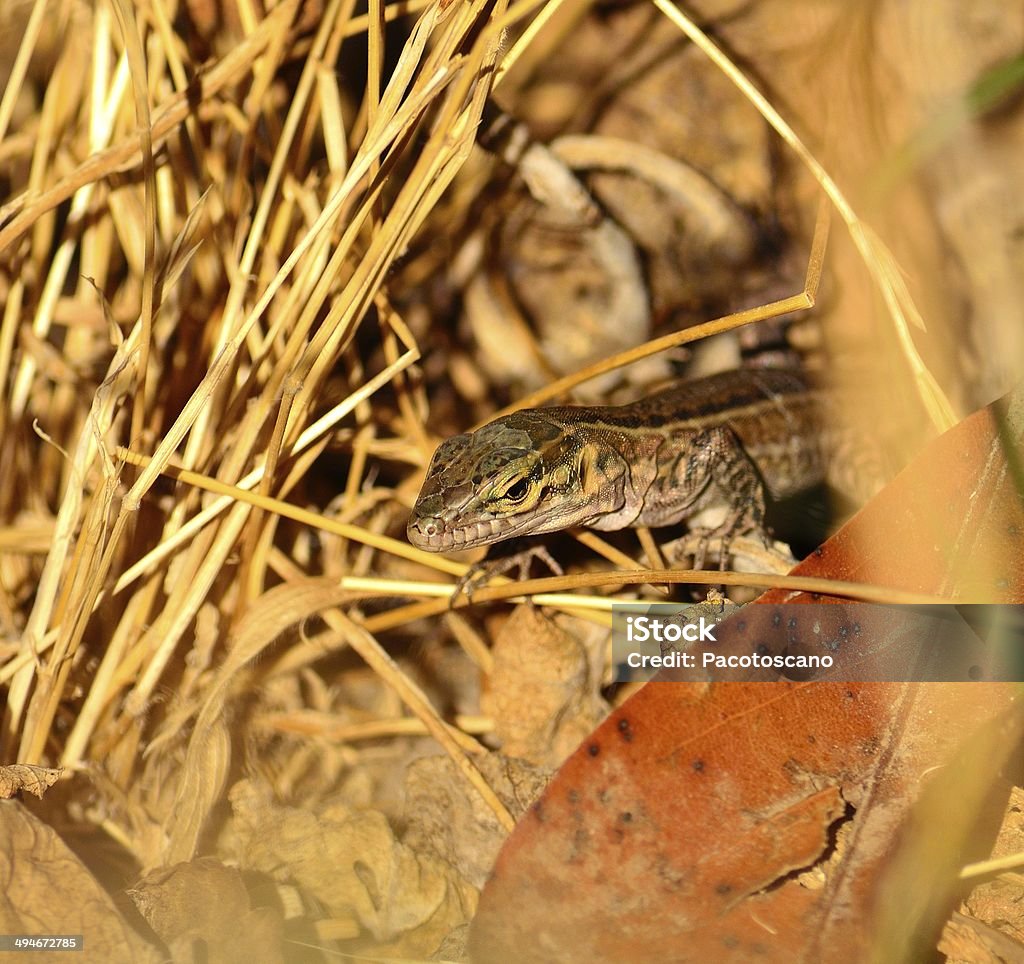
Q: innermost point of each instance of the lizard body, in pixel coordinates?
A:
(721, 440)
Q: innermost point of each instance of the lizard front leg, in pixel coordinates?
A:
(713, 468)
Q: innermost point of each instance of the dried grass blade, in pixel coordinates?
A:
(150, 297)
(25, 210)
(16, 77)
(115, 386)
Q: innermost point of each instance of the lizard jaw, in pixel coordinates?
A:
(437, 535)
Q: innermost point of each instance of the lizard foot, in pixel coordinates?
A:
(719, 540)
(483, 572)
(751, 552)
(702, 540)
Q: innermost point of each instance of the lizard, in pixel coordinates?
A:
(725, 440)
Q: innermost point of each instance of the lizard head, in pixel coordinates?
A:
(518, 475)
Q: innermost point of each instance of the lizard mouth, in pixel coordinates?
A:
(436, 535)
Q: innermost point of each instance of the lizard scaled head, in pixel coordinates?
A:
(513, 476)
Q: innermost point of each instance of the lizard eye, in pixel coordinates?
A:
(517, 490)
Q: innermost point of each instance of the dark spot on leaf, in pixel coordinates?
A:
(698, 766)
(626, 730)
(594, 749)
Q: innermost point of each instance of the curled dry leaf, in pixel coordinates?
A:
(45, 889)
(205, 901)
(445, 818)
(352, 864)
(23, 776)
(543, 692)
(208, 758)
(635, 213)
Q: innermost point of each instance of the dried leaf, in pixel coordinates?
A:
(998, 902)
(543, 690)
(45, 889)
(205, 901)
(444, 818)
(968, 940)
(23, 776)
(351, 862)
(682, 820)
(209, 749)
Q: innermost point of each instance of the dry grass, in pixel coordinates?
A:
(273, 301)
(196, 254)
(211, 244)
